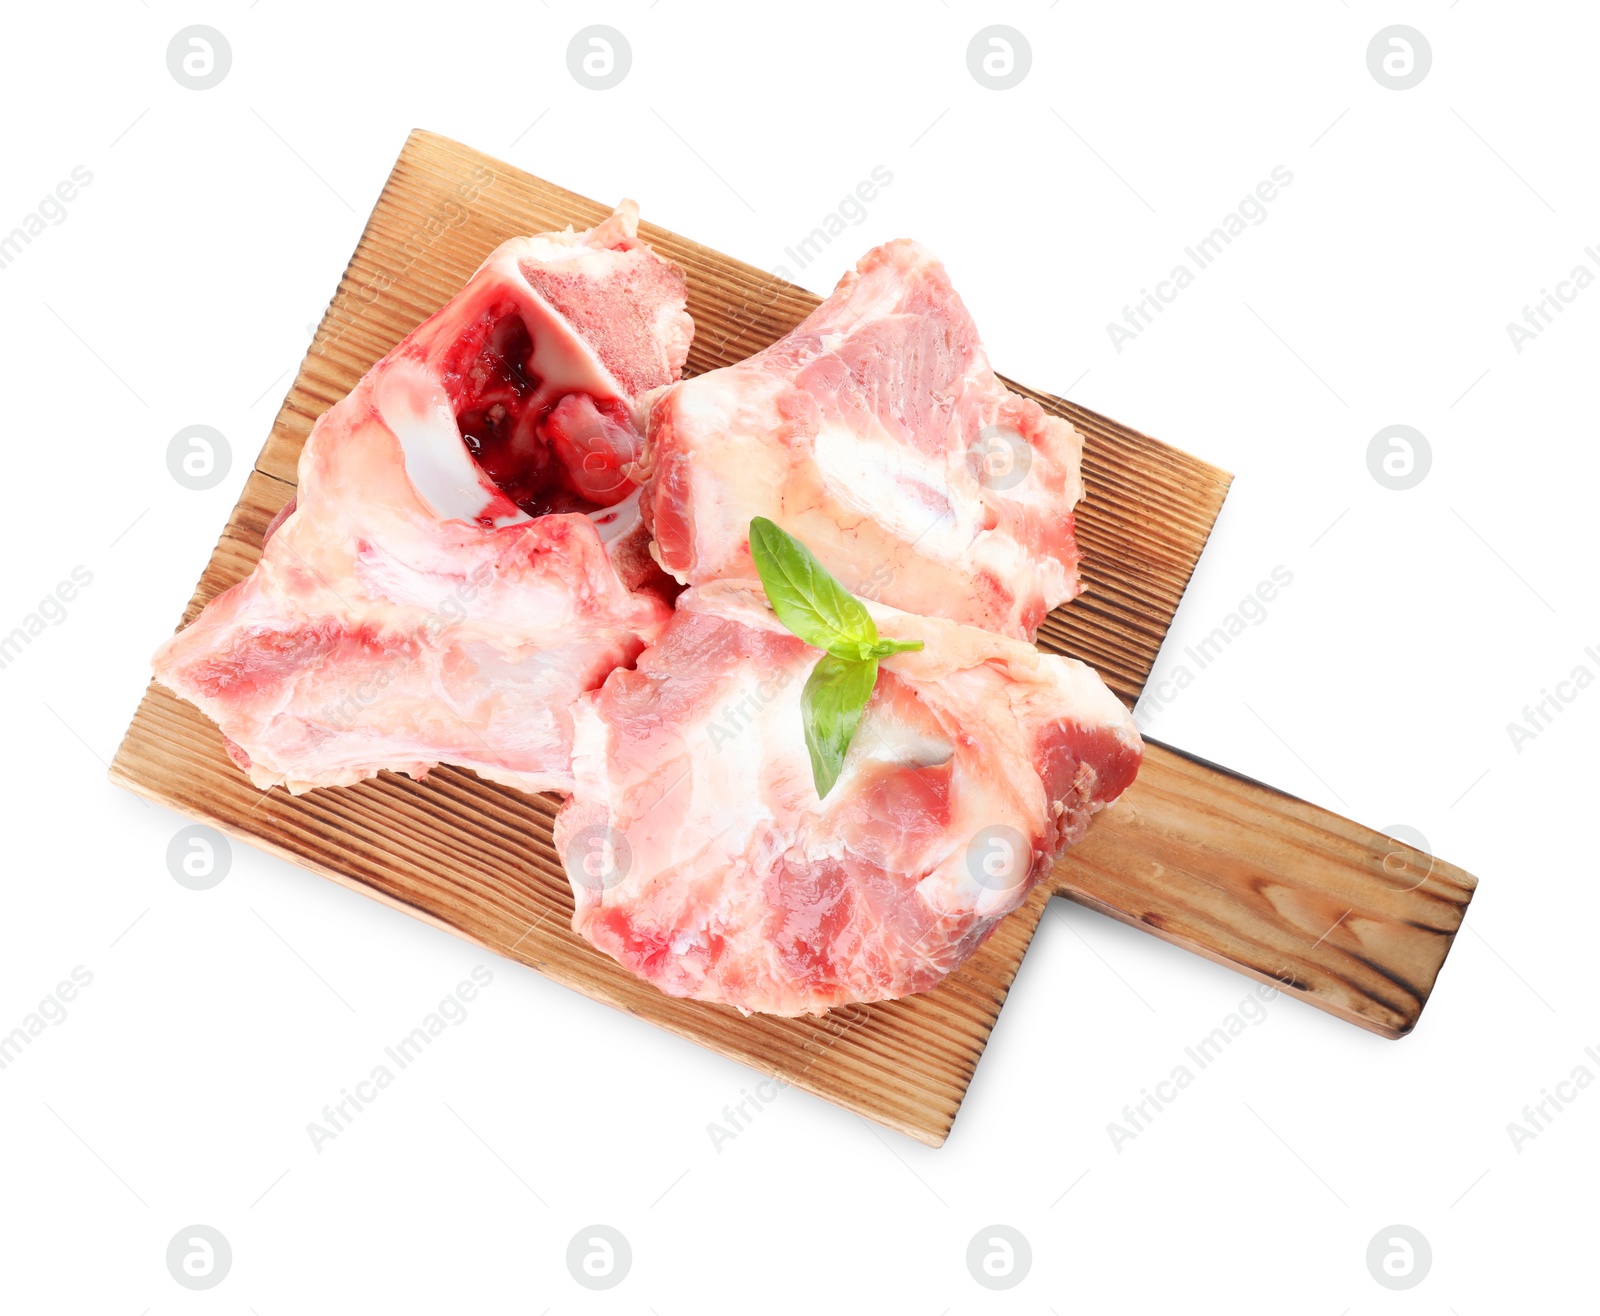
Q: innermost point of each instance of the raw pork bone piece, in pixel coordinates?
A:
(877, 435)
(464, 556)
(702, 860)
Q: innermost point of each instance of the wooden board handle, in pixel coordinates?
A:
(1354, 921)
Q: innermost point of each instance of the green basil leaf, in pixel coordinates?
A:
(883, 648)
(808, 601)
(830, 706)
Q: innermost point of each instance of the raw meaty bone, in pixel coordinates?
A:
(703, 861)
(876, 433)
(464, 556)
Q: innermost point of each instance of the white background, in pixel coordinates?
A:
(179, 289)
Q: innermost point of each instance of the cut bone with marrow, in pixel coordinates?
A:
(464, 555)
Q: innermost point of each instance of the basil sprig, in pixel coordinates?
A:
(819, 610)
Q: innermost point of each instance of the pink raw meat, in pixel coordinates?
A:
(877, 434)
(464, 556)
(702, 860)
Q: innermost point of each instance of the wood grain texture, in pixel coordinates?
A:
(1225, 867)
(1357, 923)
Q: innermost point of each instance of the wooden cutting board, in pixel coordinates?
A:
(1350, 920)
